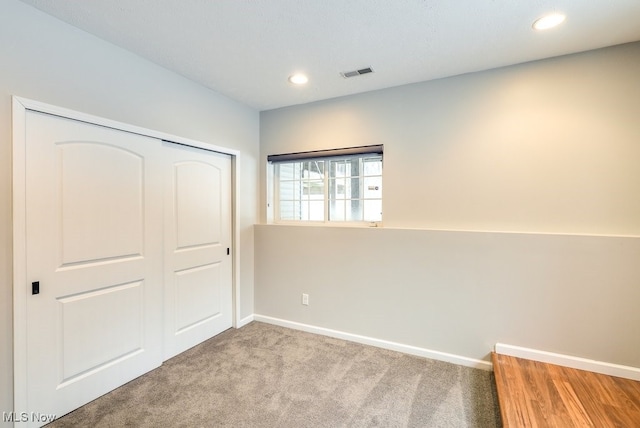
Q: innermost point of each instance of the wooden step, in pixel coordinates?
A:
(534, 394)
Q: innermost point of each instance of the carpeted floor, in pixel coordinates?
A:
(267, 376)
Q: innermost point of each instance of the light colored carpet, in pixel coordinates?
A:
(267, 376)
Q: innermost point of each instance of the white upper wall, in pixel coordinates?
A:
(49, 61)
(549, 150)
(550, 146)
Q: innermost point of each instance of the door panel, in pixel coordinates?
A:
(198, 294)
(100, 326)
(198, 299)
(197, 202)
(94, 243)
(115, 219)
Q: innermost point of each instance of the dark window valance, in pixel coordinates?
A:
(349, 151)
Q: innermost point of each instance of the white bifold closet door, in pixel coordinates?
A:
(126, 253)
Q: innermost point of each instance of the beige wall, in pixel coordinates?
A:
(457, 292)
(547, 151)
(550, 146)
(46, 60)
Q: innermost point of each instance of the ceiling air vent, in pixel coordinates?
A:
(354, 73)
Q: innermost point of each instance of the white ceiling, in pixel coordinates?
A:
(246, 49)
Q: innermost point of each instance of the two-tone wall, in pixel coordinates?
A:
(511, 213)
(46, 60)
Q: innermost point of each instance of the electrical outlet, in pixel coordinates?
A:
(305, 299)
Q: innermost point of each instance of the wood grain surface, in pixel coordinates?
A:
(534, 394)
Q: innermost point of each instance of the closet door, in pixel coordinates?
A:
(94, 207)
(198, 264)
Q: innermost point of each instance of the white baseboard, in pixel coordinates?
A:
(244, 321)
(626, 372)
(393, 346)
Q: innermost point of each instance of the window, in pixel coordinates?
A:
(342, 185)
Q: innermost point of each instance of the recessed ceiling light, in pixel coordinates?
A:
(298, 79)
(549, 21)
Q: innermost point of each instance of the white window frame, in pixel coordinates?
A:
(273, 183)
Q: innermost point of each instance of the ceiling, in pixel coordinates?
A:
(246, 49)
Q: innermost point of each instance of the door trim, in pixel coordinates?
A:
(20, 107)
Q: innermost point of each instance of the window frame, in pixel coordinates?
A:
(327, 156)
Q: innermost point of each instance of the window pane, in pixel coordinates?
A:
(354, 210)
(336, 210)
(313, 170)
(353, 188)
(285, 171)
(336, 189)
(337, 169)
(373, 187)
(290, 210)
(373, 210)
(372, 166)
(314, 187)
(304, 210)
(316, 210)
(353, 167)
(289, 190)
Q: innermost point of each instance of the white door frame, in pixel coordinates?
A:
(20, 106)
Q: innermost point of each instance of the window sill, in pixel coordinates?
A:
(356, 224)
